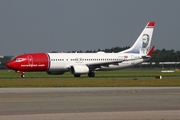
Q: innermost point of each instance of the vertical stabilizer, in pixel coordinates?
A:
(142, 44)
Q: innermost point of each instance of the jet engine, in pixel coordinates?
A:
(79, 69)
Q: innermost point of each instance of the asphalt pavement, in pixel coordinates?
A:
(90, 103)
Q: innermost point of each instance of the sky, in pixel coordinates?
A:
(28, 26)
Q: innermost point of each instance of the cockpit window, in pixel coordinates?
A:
(18, 59)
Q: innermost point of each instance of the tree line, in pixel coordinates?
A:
(165, 56)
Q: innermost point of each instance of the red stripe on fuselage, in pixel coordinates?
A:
(30, 62)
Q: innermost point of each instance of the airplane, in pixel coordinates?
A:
(85, 63)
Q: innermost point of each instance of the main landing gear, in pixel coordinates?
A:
(77, 75)
(90, 74)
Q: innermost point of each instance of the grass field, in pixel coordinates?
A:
(121, 78)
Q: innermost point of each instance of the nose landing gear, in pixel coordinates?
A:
(22, 74)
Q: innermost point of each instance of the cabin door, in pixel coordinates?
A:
(132, 61)
(30, 60)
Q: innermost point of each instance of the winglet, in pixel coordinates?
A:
(151, 51)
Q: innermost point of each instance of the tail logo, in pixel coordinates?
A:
(145, 43)
(145, 40)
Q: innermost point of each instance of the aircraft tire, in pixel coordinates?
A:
(23, 76)
(91, 74)
(77, 75)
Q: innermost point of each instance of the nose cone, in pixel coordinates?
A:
(9, 64)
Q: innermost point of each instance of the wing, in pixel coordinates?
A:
(94, 66)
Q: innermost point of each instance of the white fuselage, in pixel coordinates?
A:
(62, 61)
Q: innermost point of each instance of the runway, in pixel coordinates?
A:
(93, 103)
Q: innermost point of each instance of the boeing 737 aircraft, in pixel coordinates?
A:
(85, 63)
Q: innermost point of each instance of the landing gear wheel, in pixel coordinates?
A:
(77, 75)
(23, 76)
(91, 74)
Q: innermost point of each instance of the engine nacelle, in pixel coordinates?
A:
(79, 69)
(55, 72)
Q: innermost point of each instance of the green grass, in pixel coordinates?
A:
(128, 78)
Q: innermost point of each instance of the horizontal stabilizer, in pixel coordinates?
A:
(149, 53)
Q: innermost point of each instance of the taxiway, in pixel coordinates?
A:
(93, 103)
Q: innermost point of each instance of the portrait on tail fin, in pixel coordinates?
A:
(145, 43)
